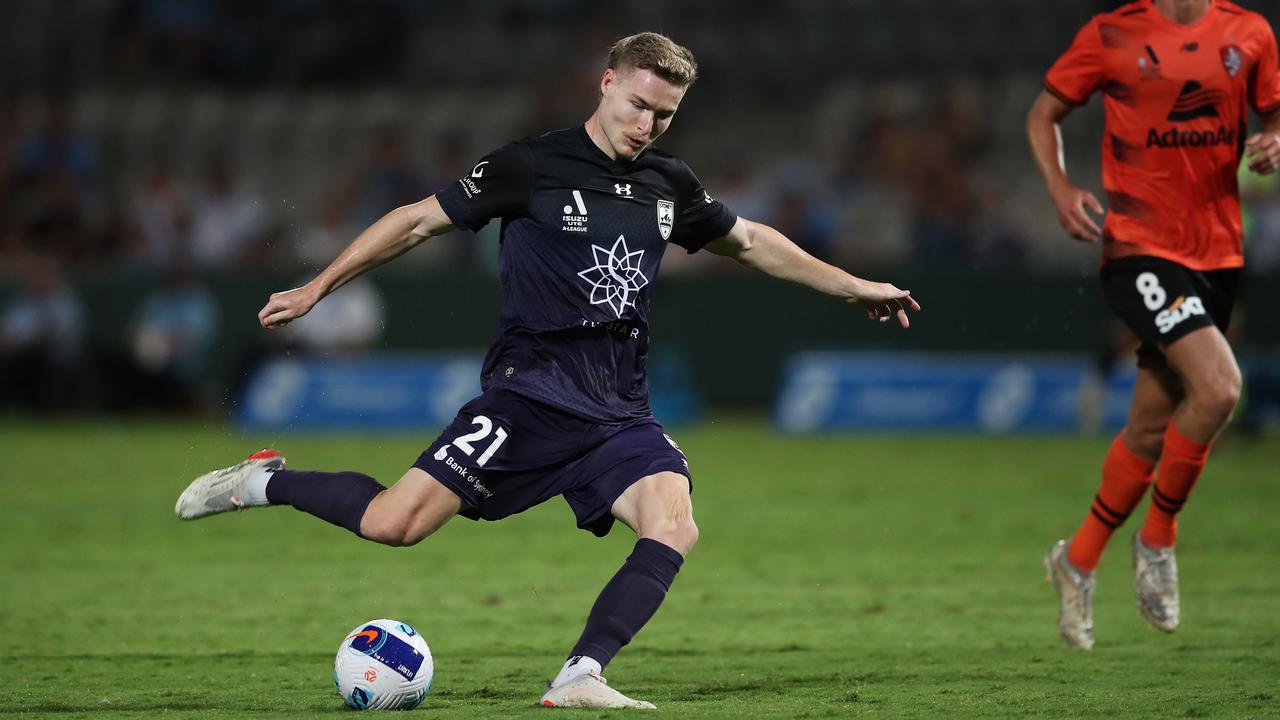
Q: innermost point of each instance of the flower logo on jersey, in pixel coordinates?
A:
(666, 217)
(1232, 59)
(616, 278)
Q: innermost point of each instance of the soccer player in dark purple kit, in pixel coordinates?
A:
(586, 216)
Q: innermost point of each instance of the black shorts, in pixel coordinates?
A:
(1162, 301)
(505, 453)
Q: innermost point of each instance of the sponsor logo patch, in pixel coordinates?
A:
(615, 278)
(1181, 309)
(575, 215)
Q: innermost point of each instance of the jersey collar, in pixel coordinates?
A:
(1175, 24)
(599, 154)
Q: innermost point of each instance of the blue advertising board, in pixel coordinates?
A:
(389, 391)
(384, 391)
(918, 391)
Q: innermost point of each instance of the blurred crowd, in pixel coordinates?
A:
(175, 139)
(143, 133)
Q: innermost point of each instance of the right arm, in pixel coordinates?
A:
(388, 238)
(1045, 136)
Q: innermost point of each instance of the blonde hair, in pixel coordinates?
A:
(656, 53)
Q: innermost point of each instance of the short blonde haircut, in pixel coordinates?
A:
(656, 53)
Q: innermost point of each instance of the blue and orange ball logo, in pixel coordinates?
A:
(368, 640)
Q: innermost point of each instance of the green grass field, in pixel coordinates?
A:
(838, 576)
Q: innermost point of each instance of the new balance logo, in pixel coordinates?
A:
(1195, 101)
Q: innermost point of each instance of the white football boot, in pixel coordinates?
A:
(1075, 592)
(1155, 582)
(223, 490)
(589, 690)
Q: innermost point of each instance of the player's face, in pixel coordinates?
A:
(636, 107)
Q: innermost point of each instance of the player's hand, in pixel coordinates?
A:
(884, 301)
(1263, 152)
(1074, 206)
(282, 307)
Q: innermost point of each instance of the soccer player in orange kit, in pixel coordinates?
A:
(1177, 77)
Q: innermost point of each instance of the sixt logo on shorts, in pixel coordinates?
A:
(1181, 309)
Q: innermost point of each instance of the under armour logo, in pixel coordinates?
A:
(707, 195)
(623, 190)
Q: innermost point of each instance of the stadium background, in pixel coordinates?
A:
(239, 146)
(164, 165)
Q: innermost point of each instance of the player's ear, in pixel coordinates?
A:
(610, 77)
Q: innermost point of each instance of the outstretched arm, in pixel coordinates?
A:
(761, 247)
(1046, 147)
(1263, 149)
(388, 238)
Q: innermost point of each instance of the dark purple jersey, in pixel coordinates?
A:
(582, 239)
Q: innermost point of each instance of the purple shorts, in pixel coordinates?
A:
(505, 453)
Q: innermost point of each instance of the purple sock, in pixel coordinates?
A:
(337, 497)
(627, 602)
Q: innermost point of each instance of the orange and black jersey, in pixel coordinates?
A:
(1176, 99)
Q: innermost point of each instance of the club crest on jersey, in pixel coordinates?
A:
(1232, 59)
(666, 218)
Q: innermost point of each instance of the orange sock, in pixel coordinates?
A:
(1125, 477)
(1180, 466)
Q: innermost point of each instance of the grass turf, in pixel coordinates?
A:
(836, 577)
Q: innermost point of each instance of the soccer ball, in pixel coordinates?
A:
(383, 665)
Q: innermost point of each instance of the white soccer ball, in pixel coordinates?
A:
(383, 665)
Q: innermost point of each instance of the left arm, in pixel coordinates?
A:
(1263, 149)
(759, 246)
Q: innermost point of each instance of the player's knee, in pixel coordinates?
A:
(688, 535)
(1218, 399)
(679, 533)
(388, 528)
(394, 526)
(1146, 439)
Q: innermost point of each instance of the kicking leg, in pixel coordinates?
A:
(658, 508)
(414, 508)
(410, 510)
